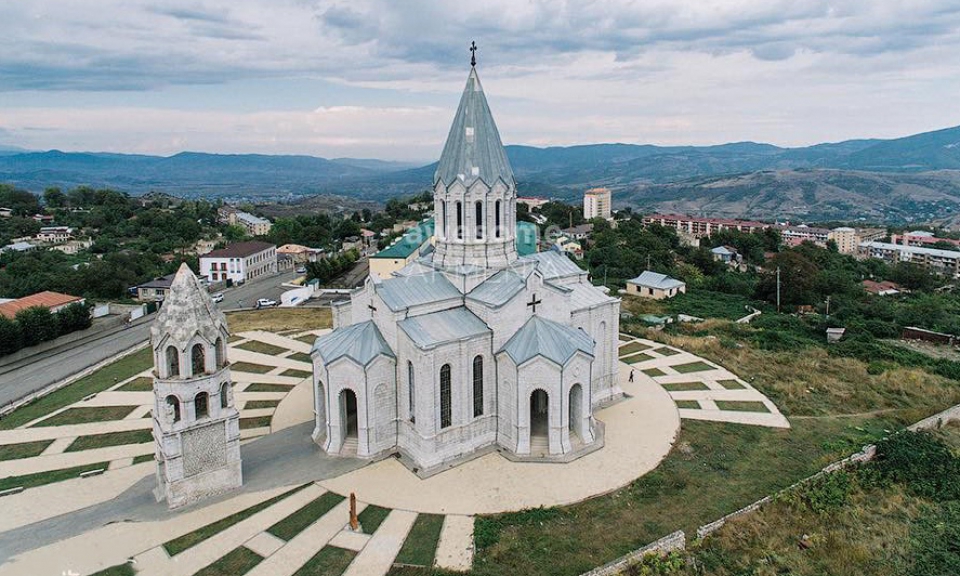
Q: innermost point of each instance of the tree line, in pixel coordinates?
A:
(35, 325)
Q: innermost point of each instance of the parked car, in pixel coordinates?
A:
(302, 270)
(217, 297)
(266, 302)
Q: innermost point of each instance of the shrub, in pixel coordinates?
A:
(658, 565)
(922, 462)
(825, 493)
(11, 338)
(37, 325)
(934, 537)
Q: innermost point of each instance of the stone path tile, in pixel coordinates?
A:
(707, 404)
(295, 408)
(238, 355)
(249, 377)
(769, 420)
(277, 340)
(118, 399)
(377, 556)
(72, 430)
(350, 540)
(264, 544)
(58, 445)
(248, 396)
(140, 412)
(120, 463)
(257, 412)
(455, 550)
(306, 544)
(212, 549)
(71, 459)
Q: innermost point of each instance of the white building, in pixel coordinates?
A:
(252, 225)
(240, 262)
(597, 203)
(945, 262)
(655, 285)
(54, 234)
(469, 347)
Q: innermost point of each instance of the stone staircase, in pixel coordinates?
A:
(349, 447)
(539, 446)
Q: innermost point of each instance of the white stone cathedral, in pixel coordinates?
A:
(196, 426)
(470, 348)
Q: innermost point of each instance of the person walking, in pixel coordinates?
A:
(631, 376)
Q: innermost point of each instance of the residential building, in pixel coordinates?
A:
(19, 247)
(726, 254)
(946, 262)
(205, 246)
(253, 225)
(52, 301)
(43, 218)
(403, 251)
(597, 203)
(921, 238)
(655, 285)
(155, 290)
(884, 288)
(696, 227)
(54, 234)
(531, 201)
(240, 262)
(6, 212)
(300, 253)
(846, 239)
(73, 246)
(580, 232)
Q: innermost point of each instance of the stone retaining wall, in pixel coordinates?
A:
(675, 541)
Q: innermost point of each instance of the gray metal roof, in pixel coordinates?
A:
(402, 293)
(722, 250)
(361, 342)
(473, 150)
(656, 280)
(553, 264)
(587, 295)
(430, 330)
(542, 337)
(498, 289)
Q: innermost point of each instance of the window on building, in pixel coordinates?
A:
(173, 401)
(412, 393)
(443, 218)
(173, 362)
(197, 360)
(219, 351)
(459, 221)
(224, 394)
(201, 405)
(496, 229)
(478, 386)
(446, 408)
(478, 214)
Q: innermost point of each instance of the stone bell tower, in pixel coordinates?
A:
(196, 426)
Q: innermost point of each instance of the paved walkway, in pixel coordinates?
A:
(698, 385)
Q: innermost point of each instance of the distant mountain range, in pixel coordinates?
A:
(876, 179)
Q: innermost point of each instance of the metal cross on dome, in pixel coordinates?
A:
(473, 53)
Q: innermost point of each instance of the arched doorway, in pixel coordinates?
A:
(348, 416)
(575, 420)
(539, 422)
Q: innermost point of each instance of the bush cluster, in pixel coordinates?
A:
(37, 324)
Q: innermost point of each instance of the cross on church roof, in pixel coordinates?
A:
(473, 53)
(533, 302)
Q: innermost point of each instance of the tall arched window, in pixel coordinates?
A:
(446, 408)
(478, 215)
(173, 362)
(197, 360)
(478, 386)
(224, 394)
(412, 393)
(219, 352)
(496, 227)
(459, 221)
(443, 218)
(175, 403)
(201, 405)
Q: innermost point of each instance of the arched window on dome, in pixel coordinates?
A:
(175, 403)
(478, 222)
(201, 405)
(478, 386)
(412, 393)
(173, 362)
(443, 219)
(197, 360)
(446, 406)
(497, 210)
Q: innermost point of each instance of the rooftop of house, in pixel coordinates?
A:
(240, 250)
(45, 299)
(656, 280)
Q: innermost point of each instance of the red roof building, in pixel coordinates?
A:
(52, 301)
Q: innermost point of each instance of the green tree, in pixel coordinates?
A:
(54, 198)
(11, 337)
(74, 317)
(37, 325)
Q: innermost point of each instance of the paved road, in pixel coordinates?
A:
(46, 370)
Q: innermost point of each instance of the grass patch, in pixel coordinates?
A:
(118, 570)
(265, 387)
(633, 347)
(23, 449)
(110, 439)
(741, 406)
(98, 381)
(86, 415)
(294, 373)
(41, 478)
(191, 539)
(258, 404)
(731, 384)
(420, 547)
(664, 351)
(372, 517)
(138, 384)
(251, 367)
(279, 319)
(298, 521)
(689, 367)
(687, 404)
(653, 372)
(307, 338)
(684, 386)
(238, 561)
(261, 348)
(636, 359)
(301, 357)
(329, 561)
(143, 458)
(258, 422)
(625, 337)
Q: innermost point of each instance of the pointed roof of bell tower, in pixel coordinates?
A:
(473, 150)
(187, 310)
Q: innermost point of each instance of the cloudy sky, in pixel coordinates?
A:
(381, 78)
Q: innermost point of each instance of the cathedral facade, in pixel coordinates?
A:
(471, 347)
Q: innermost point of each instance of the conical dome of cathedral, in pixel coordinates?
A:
(187, 310)
(473, 150)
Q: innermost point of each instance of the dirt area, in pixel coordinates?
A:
(279, 319)
(933, 350)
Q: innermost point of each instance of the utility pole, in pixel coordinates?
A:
(778, 289)
(828, 307)
(604, 274)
